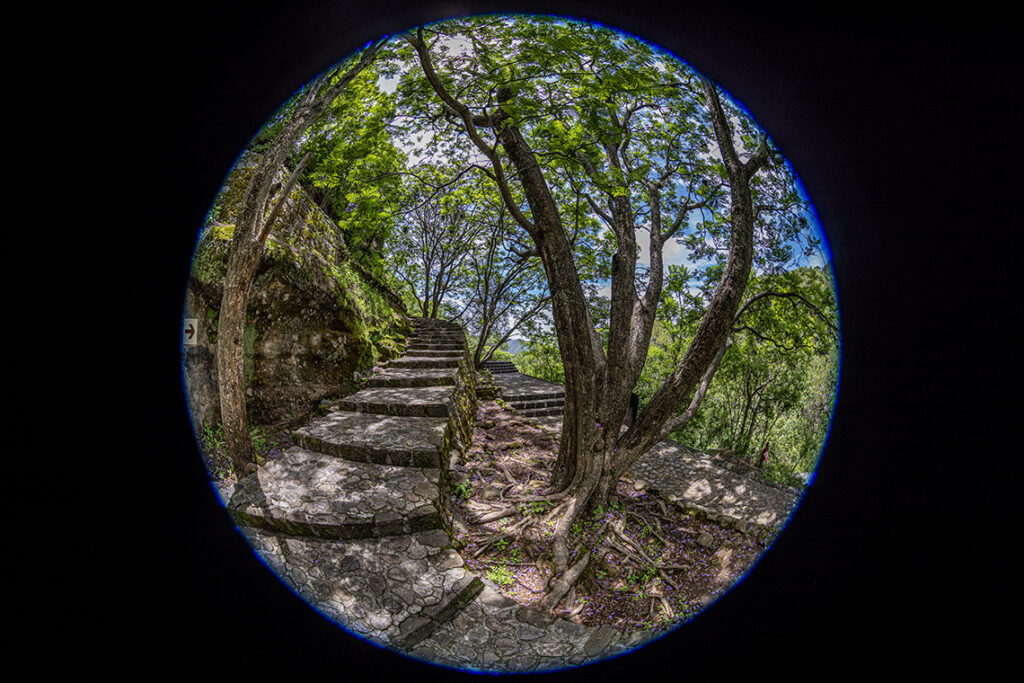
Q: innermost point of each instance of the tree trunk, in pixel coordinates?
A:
(252, 226)
(230, 363)
(592, 456)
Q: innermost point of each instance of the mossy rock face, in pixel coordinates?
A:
(314, 318)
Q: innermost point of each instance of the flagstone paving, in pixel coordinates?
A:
(686, 477)
(383, 439)
(355, 518)
(694, 480)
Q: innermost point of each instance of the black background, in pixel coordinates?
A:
(902, 127)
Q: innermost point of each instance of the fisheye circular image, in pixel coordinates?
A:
(511, 343)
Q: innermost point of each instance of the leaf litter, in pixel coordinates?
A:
(653, 566)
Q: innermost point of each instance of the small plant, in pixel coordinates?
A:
(537, 507)
(211, 438)
(464, 490)
(500, 575)
(214, 446)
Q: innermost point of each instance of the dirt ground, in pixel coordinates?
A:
(656, 567)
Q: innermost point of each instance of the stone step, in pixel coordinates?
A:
(540, 412)
(380, 439)
(406, 401)
(457, 346)
(439, 335)
(422, 362)
(428, 353)
(414, 377)
(548, 403)
(437, 329)
(534, 396)
(306, 493)
(393, 591)
(419, 320)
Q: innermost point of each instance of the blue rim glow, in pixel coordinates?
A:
(343, 621)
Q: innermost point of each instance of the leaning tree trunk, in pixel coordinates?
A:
(230, 361)
(243, 261)
(252, 226)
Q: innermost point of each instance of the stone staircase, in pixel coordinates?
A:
(357, 515)
(535, 398)
(500, 366)
(356, 519)
(528, 396)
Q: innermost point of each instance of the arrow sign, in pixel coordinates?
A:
(191, 336)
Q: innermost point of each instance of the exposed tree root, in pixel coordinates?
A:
(548, 498)
(666, 607)
(640, 555)
(496, 515)
(563, 583)
(653, 525)
(508, 532)
(546, 530)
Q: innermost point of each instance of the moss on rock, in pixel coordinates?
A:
(314, 319)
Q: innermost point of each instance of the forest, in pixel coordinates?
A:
(572, 187)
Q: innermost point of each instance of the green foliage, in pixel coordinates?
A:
(354, 171)
(540, 358)
(500, 574)
(213, 445)
(464, 490)
(777, 383)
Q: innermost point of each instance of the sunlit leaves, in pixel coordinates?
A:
(355, 165)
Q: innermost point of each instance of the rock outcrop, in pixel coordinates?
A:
(318, 321)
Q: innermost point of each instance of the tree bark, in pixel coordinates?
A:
(592, 456)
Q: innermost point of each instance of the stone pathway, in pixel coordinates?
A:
(696, 481)
(529, 396)
(690, 479)
(356, 518)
